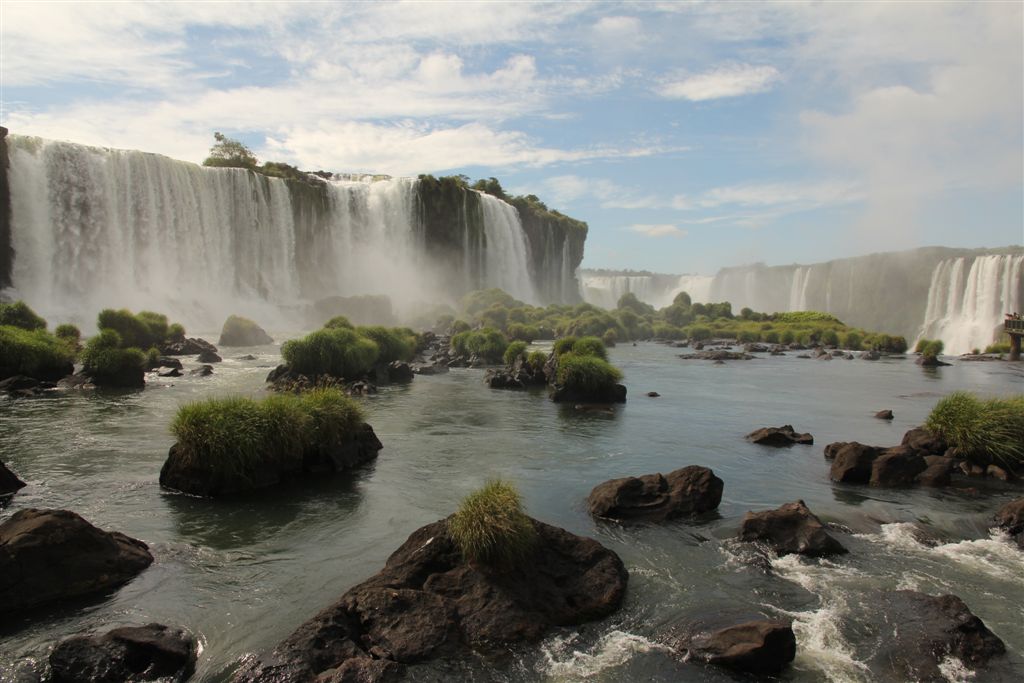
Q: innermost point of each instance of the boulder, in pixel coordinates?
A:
(779, 436)
(207, 356)
(653, 394)
(923, 441)
(428, 602)
(758, 647)
(202, 371)
(852, 463)
(400, 372)
(716, 354)
(884, 414)
(239, 331)
(897, 467)
(791, 528)
(163, 362)
(49, 555)
(997, 472)
(121, 378)
(520, 375)
(938, 472)
(1010, 518)
(174, 372)
(921, 631)
(870, 354)
(429, 368)
(833, 448)
(188, 347)
(132, 653)
(9, 482)
(656, 497)
(930, 362)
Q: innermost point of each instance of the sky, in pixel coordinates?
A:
(689, 136)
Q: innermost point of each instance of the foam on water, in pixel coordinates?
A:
(564, 661)
(954, 670)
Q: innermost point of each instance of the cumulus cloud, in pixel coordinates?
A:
(724, 81)
(657, 230)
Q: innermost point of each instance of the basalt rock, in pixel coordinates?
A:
(884, 414)
(238, 331)
(520, 375)
(428, 602)
(757, 647)
(202, 371)
(189, 347)
(853, 461)
(132, 653)
(1010, 518)
(921, 631)
(779, 436)
(833, 448)
(896, 467)
(930, 362)
(9, 482)
(656, 497)
(207, 356)
(938, 472)
(50, 555)
(791, 528)
(870, 354)
(716, 354)
(924, 441)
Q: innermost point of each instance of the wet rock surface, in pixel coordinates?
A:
(791, 528)
(9, 482)
(759, 647)
(131, 653)
(779, 436)
(1010, 518)
(656, 497)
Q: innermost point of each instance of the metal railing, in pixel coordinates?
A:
(1014, 326)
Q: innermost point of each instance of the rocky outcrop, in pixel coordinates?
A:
(189, 347)
(49, 555)
(9, 482)
(427, 602)
(132, 653)
(239, 331)
(656, 497)
(758, 647)
(884, 414)
(716, 354)
(852, 462)
(930, 362)
(924, 442)
(922, 630)
(1010, 519)
(208, 356)
(520, 375)
(779, 436)
(938, 471)
(791, 528)
(897, 467)
(202, 371)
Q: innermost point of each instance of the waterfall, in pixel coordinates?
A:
(968, 298)
(657, 290)
(798, 290)
(697, 286)
(95, 228)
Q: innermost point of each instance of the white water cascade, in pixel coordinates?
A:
(968, 298)
(798, 290)
(94, 228)
(656, 290)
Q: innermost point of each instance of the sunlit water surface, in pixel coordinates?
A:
(242, 574)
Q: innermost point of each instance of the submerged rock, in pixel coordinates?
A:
(9, 482)
(132, 653)
(716, 354)
(938, 472)
(1010, 518)
(202, 371)
(884, 414)
(656, 497)
(428, 602)
(921, 631)
(779, 436)
(792, 528)
(49, 555)
(757, 647)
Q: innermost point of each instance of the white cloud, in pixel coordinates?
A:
(724, 81)
(800, 195)
(657, 230)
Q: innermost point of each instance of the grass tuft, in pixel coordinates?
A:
(18, 314)
(514, 351)
(35, 353)
(981, 430)
(491, 528)
(587, 374)
(339, 352)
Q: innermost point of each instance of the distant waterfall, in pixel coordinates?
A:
(95, 228)
(656, 289)
(798, 290)
(968, 299)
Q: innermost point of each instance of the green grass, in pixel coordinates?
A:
(339, 321)
(68, 333)
(34, 353)
(564, 345)
(491, 528)
(587, 374)
(805, 317)
(394, 344)
(339, 352)
(981, 430)
(18, 314)
(514, 351)
(141, 330)
(488, 344)
(590, 346)
(537, 360)
(929, 348)
(998, 348)
(106, 359)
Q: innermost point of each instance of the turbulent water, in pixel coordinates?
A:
(243, 574)
(94, 228)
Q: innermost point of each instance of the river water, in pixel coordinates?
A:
(242, 574)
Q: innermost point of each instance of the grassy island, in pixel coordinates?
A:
(984, 431)
(491, 528)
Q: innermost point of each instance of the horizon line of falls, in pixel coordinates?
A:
(95, 228)
(658, 290)
(968, 299)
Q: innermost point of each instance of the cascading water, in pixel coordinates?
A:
(798, 290)
(95, 228)
(968, 299)
(656, 290)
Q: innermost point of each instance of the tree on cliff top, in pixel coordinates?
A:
(230, 153)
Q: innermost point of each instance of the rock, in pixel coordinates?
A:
(202, 371)
(9, 482)
(852, 463)
(188, 347)
(175, 372)
(716, 354)
(399, 372)
(848, 356)
(972, 470)
(429, 368)
(930, 362)
(653, 394)
(871, 354)
(164, 362)
(615, 393)
(791, 528)
(18, 383)
(247, 356)
(833, 448)
(207, 356)
(182, 474)
(757, 647)
(779, 436)
(755, 348)
(884, 414)
(803, 355)
(777, 352)
(132, 653)
(921, 631)
(427, 602)
(896, 467)
(49, 555)
(924, 442)
(937, 472)
(120, 378)
(997, 472)
(520, 375)
(655, 497)
(837, 354)
(239, 331)
(1010, 518)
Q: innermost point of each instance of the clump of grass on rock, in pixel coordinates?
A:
(491, 528)
(108, 363)
(981, 430)
(33, 353)
(337, 351)
(18, 314)
(586, 374)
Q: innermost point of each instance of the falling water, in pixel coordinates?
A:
(507, 262)
(656, 290)
(798, 290)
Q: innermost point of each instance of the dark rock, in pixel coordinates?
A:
(247, 356)
(803, 355)
(791, 528)
(9, 482)
(19, 383)
(655, 497)
(852, 463)
(399, 372)
(202, 371)
(796, 346)
(755, 348)
(429, 368)
(897, 467)
(164, 362)
(921, 631)
(188, 347)
(207, 356)
(615, 393)
(924, 442)
(238, 331)
(777, 352)
(1010, 518)
(997, 472)
(848, 356)
(49, 555)
(937, 473)
(427, 602)
(757, 647)
(884, 414)
(653, 394)
(779, 436)
(173, 372)
(837, 354)
(930, 362)
(520, 375)
(131, 653)
(122, 378)
(716, 354)
(833, 448)
(871, 354)
(198, 478)
(972, 470)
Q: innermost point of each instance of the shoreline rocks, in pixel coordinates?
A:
(791, 528)
(1010, 518)
(760, 647)
(427, 602)
(9, 481)
(50, 555)
(131, 653)
(655, 497)
(779, 436)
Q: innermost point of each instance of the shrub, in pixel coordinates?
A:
(487, 344)
(921, 343)
(34, 353)
(176, 332)
(521, 332)
(586, 374)
(491, 528)
(537, 360)
(460, 326)
(747, 336)
(610, 337)
(339, 352)
(590, 346)
(829, 338)
(564, 345)
(333, 416)
(997, 348)
(981, 430)
(699, 333)
(338, 321)
(394, 344)
(662, 331)
(156, 325)
(20, 315)
(69, 334)
(853, 341)
(771, 337)
(788, 336)
(805, 317)
(108, 362)
(514, 351)
(932, 349)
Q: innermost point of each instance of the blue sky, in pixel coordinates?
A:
(689, 136)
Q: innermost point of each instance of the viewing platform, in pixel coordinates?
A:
(1015, 329)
